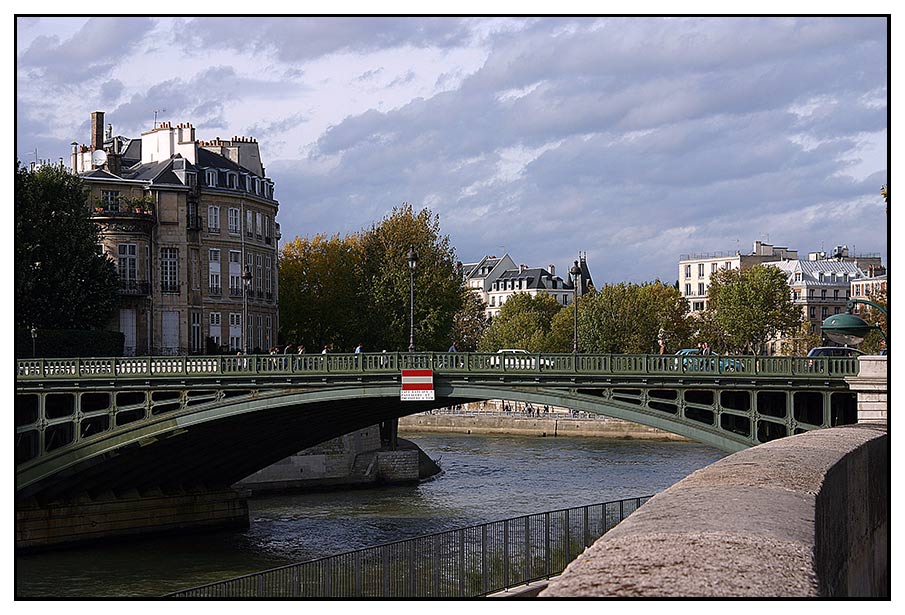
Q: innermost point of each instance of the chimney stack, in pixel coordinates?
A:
(97, 130)
(552, 269)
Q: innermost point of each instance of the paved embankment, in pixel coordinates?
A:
(803, 516)
(531, 426)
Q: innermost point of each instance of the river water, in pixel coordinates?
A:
(484, 478)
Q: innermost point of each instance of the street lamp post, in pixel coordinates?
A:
(847, 328)
(246, 280)
(576, 274)
(34, 337)
(413, 262)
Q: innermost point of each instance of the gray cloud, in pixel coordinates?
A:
(306, 38)
(90, 54)
(674, 128)
(635, 139)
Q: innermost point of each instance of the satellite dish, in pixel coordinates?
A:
(98, 157)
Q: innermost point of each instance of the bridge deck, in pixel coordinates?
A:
(458, 363)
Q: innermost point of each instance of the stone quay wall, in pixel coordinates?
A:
(41, 527)
(803, 516)
(514, 424)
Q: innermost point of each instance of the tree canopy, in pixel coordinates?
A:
(630, 318)
(62, 279)
(524, 322)
(342, 291)
(748, 308)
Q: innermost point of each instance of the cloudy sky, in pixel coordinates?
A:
(633, 139)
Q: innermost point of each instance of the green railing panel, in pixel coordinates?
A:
(589, 364)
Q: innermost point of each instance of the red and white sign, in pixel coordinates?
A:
(417, 385)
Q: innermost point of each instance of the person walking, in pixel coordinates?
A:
(324, 351)
(454, 347)
(358, 349)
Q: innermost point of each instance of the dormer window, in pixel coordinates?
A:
(249, 183)
(257, 186)
(232, 181)
(210, 177)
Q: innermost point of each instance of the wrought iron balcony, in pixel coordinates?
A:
(216, 290)
(235, 291)
(134, 288)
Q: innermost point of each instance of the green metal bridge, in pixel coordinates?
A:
(94, 426)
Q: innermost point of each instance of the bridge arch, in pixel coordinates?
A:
(173, 423)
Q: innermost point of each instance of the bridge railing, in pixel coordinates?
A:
(616, 364)
(467, 562)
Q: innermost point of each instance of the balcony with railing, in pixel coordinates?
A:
(216, 290)
(139, 210)
(134, 288)
(235, 291)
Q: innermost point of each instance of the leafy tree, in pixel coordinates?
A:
(469, 323)
(62, 279)
(343, 291)
(523, 322)
(629, 318)
(750, 307)
(321, 292)
(439, 293)
(802, 341)
(874, 341)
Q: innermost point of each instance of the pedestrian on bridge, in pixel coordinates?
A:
(358, 349)
(454, 347)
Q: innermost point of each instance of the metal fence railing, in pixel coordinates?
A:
(442, 362)
(468, 562)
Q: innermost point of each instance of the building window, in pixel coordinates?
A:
(214, 330)
(798, 276)
(169, 270)
(697, 306)
(210, 177)
(727, 265)
(127, 262)
(700, 270)
(249, 222)
(233, 220)
(213, 218)
(688, 290)
(215, 283)
(232, 180)
(687, 271)
(195, 332)
(249, 184)
(812, 312)
(259, 225)
(259, 270)
(235, 331)
(700, 289)
(257, 186)
(214, 255)
(110, 198)
(836, 294)
(823, 294)
(824, 312)
(268, 279)
(713, 267)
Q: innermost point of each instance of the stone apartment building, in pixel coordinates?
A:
(497, 279)
(695, 269)
(190, 224)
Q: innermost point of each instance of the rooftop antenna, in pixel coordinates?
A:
(156, 111)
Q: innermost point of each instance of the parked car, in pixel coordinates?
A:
(516, 358)
(834, 351)
(694, 360)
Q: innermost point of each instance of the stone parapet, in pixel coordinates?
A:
(803, 516)
(872, 386)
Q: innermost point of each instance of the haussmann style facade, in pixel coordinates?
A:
(191, 226)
